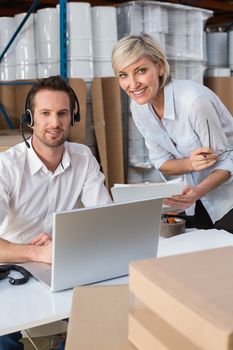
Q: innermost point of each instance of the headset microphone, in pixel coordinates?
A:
(22, 123)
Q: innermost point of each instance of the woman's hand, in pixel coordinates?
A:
(202, 158)
(185, 200)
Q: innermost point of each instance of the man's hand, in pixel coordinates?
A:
(202, 158)
(42, 247)
(42, 239)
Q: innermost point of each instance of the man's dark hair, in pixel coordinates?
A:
(53, 83)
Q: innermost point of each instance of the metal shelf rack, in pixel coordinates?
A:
(63, 49)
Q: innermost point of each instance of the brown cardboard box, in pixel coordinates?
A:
(78, 131)
(10, 137)
(7, 100)
(223, 87)
(98, 320)
(21, 92)
(108, 125)
(192, 292)
(148, 331)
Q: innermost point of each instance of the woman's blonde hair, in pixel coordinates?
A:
(132, 48)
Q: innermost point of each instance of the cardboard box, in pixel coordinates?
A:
(21, 92)
(78, 131)
(106, 103)
(223, 87)
(191, 292)
(148, 331)
(8, 102)
(98, 320)
(10, 137)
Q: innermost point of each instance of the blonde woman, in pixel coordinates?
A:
(185, 125)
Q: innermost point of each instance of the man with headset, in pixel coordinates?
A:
(42, 175)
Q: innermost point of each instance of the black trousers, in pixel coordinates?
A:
(202, 220)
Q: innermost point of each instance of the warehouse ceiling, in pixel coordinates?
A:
(223, 9)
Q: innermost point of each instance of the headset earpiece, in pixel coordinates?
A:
(75, 118)
(27, 118)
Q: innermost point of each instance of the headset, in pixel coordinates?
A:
(28, 120)
(6, 269)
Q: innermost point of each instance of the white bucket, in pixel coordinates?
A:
(160, 38)
(218, 72)
(81, 69)
(47, 69)
(26, 71)
(103, 49)
(217, 52)
(130, 19)
(9, 57)
(7, 73)
(7, 29)
(47, 26)
(48, 51)
(78, 20)
(155, 19)
(177, 20)
(26, 34)
(103, 68)
(25, 54)
(79, 48)
(104, 23)
(176, 45)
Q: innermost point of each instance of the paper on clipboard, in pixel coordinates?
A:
(147, 190)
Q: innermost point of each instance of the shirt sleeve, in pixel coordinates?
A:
(94, 191)
(157, 154)
(208, 125)
(4, 193)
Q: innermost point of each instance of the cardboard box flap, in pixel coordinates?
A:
(99, 124)
(114, 130)
(78, 131)
(98, 320)
(223, 87)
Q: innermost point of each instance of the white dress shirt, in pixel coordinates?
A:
(184, 128)
(30, 193)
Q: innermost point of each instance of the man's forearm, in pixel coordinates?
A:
(13, 252)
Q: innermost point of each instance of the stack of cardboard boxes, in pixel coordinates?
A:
(182, 302)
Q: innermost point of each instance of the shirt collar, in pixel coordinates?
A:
(35, 163)
(169, 107)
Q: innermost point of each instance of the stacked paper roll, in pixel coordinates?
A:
(104, 28)
(47, 42)
(25, 54)
(7, 67)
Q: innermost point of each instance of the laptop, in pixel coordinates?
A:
(97, 243)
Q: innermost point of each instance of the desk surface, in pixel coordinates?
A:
(32, 304)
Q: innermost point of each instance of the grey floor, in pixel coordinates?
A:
(42, 343)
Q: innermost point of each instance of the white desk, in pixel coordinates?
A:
(32, 304)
